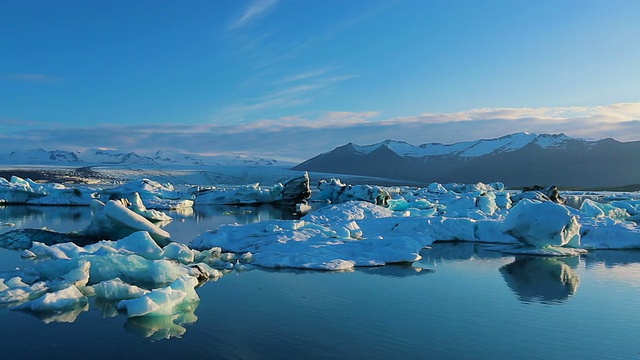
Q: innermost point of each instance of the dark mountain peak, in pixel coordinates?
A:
(608, 141)
(518, 159)
(383, 150)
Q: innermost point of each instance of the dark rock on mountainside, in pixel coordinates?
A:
(516, 160)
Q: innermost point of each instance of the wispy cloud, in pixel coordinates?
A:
(255, 10)
(299, 138)
(267, 51)
(306, 75)
(288, 91)
(34, 78)
(20, 122)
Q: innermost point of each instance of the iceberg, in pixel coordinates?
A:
(27, 191)
(116, 289)
(294, 191)
(150, 193)
(114, 220)
(334, 191)
(542, 224)
(153, 194)
(236, 195)
(342, 236)
(64, 299)
(135, 274)
(361, 233)
(162, 301)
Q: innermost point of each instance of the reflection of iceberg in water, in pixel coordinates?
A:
(612, 258)
(157, 328)
(545, 280)
(457, 250)
(395, 270)
(67, 316)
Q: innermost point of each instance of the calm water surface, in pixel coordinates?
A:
(459, 302)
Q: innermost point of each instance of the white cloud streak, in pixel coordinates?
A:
(255, 10)
(291, 91)
(32, 78)
(298, 138)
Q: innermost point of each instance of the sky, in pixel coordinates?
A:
(290, 79)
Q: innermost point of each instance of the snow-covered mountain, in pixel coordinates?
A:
(93, 157)
(38, 156)
(167, 157)
(519, 159)
(476, 148)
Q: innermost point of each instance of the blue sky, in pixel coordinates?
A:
(292, 78)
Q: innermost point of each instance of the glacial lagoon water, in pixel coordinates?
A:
(459, 302)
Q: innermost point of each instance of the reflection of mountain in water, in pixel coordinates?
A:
(545, 280)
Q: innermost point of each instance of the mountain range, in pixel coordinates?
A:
(517, 160)
(520, 159)
(95, 157)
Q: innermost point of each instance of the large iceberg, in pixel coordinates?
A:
(542, 224)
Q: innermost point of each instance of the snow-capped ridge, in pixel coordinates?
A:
(475, 148)
(41, 156)
(93, 157)
(517, 160)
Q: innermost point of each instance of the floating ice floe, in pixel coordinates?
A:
(339, 237)
(336, 192)
(111, 221)
(293, 191)
(133, 276)
(360, 233)
(114, 220)
(26, 191)
(156, 196)
(235, 195)
(153, 194)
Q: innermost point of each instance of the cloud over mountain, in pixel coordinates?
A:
(299, 137)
